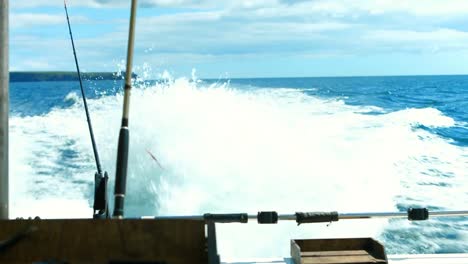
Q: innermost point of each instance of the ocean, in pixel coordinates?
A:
(350, 144)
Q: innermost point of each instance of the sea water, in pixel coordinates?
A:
(354, 144)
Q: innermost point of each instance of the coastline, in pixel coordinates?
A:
(64, 76)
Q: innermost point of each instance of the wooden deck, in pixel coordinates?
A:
(100, 241)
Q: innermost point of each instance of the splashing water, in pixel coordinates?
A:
(225, 149)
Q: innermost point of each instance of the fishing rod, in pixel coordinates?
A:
(124, 135)
(272, 217)
(100, 180)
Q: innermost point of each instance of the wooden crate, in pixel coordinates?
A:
(337, 251)
(105, 241)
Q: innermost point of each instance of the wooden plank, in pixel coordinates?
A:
(296, 252)
(335, 253)
(99, 241)
(332, 244)
(340, 259)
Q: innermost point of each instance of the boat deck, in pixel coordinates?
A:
(392, 259)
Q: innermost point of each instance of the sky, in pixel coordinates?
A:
(245, 38)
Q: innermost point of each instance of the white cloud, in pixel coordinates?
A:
(29, 19)
(24, 20)
(221, 32)
(337, 7)
(243, 29)
(379, 7)
(418, 8)
(432, 41)
(440, 35)
(106, 3)
(40, 64)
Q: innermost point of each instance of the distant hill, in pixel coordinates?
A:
(64, 76)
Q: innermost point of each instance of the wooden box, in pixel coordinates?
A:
(338, 251)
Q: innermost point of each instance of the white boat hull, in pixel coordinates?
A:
(392, 259)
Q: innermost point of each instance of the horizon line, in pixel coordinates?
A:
(276, 77)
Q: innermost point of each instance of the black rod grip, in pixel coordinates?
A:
(226, 218)
(316, 217)
(418, 214)
(121, 172)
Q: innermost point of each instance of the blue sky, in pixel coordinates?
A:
(246, 38)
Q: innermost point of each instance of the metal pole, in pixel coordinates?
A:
(4, 109)
(344, 216)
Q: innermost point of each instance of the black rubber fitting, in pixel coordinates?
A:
(418, 214)
(267, 217)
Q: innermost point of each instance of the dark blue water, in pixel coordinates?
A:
(38, 98)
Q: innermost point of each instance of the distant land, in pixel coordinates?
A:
(64, 76)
